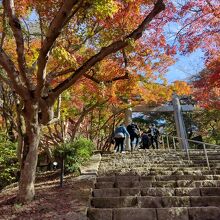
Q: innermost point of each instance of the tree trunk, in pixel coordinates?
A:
(30, 154)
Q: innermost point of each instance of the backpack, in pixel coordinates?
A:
(119, 132)
(155, 132)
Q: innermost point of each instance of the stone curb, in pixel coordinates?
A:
(91, 168)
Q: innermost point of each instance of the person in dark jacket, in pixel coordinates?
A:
(134, 133)
(145, 140)
(119, 136)
(154, 135)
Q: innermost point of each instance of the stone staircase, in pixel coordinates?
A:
(157, 185)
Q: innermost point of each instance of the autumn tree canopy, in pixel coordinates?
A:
(206, 86)
(112, 46)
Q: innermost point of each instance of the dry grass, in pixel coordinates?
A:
(51, 201)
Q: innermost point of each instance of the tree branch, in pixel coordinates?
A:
(105, 51)
(54, 31)
(18, 35)
(107, 81)
(12, 73)
(53, 75)
(3, 32)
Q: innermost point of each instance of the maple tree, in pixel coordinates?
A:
(198, 26)
(206, 86)
(26, 71)
(116, 44)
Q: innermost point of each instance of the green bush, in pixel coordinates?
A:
(8, 161)
(75, 153)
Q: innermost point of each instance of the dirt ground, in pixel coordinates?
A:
(51, 201)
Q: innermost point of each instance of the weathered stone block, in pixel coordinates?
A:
(99, 214)
(187, 191)
(114, 202)
(149, 202)
(166, 178)
(108, 192)
(204, 213)
(147, 178)
(197, 201)
(164, 184)
(175, 201)
(123, 184)
(105, 179)
(185, 183)
(134, 214)
(206, 183)
(172, 214)
(130, 192)
(102, 185)
(210, 191)
(127, 178)
(157, 191)
(145, 184)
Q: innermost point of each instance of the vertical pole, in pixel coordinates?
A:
(180, 127)
(206, 156)
(168, 143)
(62, 172)
(187, 153)
(174, 143)
(163, 142)
(128, 120)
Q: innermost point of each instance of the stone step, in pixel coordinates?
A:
(190, 213)
(153, 172)
(144, 184)
(155, 167)
(155, 202)
(172, 156)
(195, 163)
(156, 178)
(184, 172)
(156, 191)
(175, 159)
(159, 165)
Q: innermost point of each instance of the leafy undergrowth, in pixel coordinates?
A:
(51, 201)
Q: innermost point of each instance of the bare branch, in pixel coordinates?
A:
(18, 35)
(105, 51)
(54, 31)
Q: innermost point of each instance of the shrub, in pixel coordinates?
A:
(8, 161)
(75, 153)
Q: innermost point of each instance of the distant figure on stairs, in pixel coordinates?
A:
(134, 132)
(119, 136)
(145, 140)
(154, 135)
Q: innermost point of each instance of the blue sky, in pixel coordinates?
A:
(186, 66)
